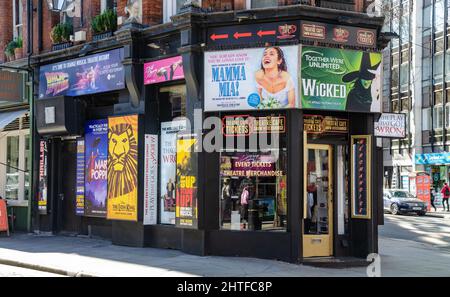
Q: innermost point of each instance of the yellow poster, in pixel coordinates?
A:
(122, 168)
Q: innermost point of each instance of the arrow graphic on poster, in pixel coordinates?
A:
(264, 33)
(219, 36)
(238, 35)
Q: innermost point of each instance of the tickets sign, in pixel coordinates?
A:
(244, 125)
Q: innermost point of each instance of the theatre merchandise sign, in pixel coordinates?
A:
(317, 124)
(245, 125)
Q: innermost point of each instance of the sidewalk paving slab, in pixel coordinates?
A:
(75, 256)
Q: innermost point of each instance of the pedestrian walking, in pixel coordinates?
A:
(433, 194)
(445, 196)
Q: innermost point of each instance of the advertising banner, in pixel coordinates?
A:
(92, 74)
(79, 206)
(123, 168)
(250, 79)
(337, 34)
(96, 156)
(391, 125)
(151, 180)
(43, 177)
(186, 184)
(168, 169)
(361, 195)
(337, 79)
(163, 70)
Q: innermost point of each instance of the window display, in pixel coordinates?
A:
(253, 193)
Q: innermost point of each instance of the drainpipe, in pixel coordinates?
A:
(32, 207)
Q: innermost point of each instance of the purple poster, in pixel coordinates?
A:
(92, 74)
(96, 159)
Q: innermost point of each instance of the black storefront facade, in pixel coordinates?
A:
(296, 200)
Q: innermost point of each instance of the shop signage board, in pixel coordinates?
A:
(239, 79)
(433, 159)
(336, 34)
(151, 180)
(168, 168)
(79, 205)
(342, 80)
(254, 33)
(250, 165)
(163, 70)
(391, 125)
(43, 177)
(96, 156)
(245, 125)
(361, 174)
(123, 168)
(318, 124)
(92, 74)
(186, 184)
(11, 88)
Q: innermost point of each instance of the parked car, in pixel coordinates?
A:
(402, 202)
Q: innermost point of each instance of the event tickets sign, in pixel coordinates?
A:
(251, 79)
(337, 79)
(249, 165)
(92, 74)
(391, 125)
(123, 168)
(96, 158)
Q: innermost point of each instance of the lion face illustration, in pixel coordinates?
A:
(122, 160)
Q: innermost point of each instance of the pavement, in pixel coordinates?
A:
(80, 256)
(439, 214)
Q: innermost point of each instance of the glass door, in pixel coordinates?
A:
(318, 202)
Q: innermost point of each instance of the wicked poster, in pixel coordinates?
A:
(337, 79)
(122, 168)
(96, 156)
(186, 184)
(92, 74)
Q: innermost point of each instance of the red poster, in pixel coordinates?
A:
(3, 216)
(423, 187)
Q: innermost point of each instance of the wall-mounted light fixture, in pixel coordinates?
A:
(56, 5)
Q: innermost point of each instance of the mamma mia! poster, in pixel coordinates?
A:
(250, 79)
(96, 158)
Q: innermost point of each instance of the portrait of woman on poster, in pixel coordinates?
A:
(275, 85)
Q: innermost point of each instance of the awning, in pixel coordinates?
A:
(7, 117)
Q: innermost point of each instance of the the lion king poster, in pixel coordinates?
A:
(122, 168)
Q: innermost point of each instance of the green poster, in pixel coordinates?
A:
(336, 79)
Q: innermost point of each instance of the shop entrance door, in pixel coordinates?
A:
(318, 201)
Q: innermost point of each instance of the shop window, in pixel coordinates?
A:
(172, 101)
(15, 166)
(12, 172)
(253, 183)
(438, 117)
(438, 67)
(447, 115)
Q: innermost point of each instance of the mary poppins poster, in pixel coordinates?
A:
(96, 158)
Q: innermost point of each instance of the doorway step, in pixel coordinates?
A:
(338, 263)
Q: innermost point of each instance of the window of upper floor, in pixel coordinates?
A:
(17, 18)
(108, 4)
